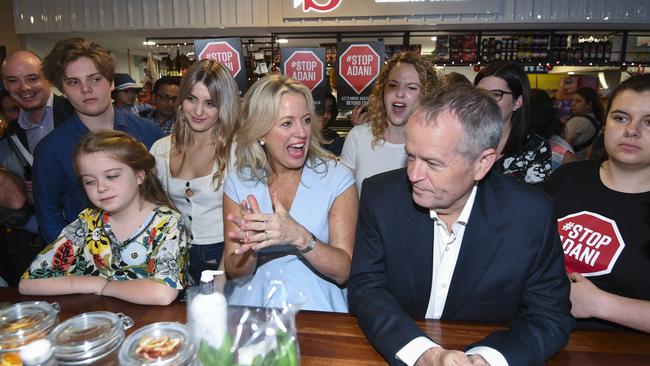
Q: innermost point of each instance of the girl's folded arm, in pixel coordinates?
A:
(62, 285)
(141, 291)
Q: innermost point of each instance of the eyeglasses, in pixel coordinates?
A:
(497, 94)
(167, 98)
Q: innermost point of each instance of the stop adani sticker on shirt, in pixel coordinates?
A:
(591, 243)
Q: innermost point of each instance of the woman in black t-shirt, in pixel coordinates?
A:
(603, 215)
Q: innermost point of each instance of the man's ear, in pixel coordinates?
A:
(484, 163)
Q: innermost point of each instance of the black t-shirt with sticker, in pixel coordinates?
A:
(592, 219)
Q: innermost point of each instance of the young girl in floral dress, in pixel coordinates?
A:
(131, 245)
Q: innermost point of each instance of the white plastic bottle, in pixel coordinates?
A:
(207, 311)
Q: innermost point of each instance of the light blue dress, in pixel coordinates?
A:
(301, 284)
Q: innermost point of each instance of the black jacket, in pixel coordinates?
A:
(510, 269)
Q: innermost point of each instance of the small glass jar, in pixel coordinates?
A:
(22, 323)
(90, 338)
(160, 344)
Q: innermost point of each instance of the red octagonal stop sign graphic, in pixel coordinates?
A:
(224, 53)
(591, 243)
(305, 67)
(359, 66)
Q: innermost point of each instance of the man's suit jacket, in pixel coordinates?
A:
(510, 269)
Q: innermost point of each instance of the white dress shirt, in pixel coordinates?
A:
(446, 247)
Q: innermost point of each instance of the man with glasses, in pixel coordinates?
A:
(165, 92)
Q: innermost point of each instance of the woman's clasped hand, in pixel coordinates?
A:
(257, 230)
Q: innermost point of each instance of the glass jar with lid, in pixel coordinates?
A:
(22, 323)
(90, 338)
(160, 344)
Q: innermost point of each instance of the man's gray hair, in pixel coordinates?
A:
(477, 112)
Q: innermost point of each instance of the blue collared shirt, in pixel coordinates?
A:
(58, 194)
(36, 131)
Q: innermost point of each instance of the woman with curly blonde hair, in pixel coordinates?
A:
(378, 146)
(192, 162)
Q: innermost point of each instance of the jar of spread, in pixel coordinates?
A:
(22, 323)
(160, 344)
(92, 338)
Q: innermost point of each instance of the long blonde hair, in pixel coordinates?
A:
(259, 113)
(429, 80)
(225, 96)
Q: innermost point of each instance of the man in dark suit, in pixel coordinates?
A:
(447, 239)
(40, 112)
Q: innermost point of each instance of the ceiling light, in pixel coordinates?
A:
(283, 40)
(148, 43)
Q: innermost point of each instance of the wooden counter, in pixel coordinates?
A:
(336, 339)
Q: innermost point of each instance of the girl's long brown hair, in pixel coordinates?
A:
(128, 150)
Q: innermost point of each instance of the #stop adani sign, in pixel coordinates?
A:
(592, 243)
(304, 66)
(223, 52)
(359, 65)
(228, 52)
(307, 65)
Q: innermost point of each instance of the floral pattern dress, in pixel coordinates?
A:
(157, 250)
(532, 165)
